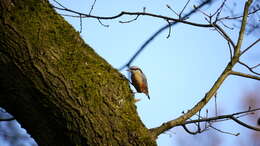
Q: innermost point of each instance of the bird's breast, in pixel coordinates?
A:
(137, 81)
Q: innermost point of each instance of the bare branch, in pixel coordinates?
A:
(218, 11)
(130, 20)
(169, 7)
(195, 7)
(59, 4)
(244, 124)
(184, 8)
(237, 17)
(242, 29)
(92, 7)
(249, 68)
(188, 131)
(219, 118)
(224, 34)
(149, 40)
(63, 8)
(250, 46)
(170, 29)
(227, 71)
(230, 51)
(134, 14)
(180, 120)
(231, 28)
(255, 66)
(216, 106)
(208, 124)
(80, 20)
(102, 23)
(199, 129)
(225, 132)
(67, 15)
(244, 75)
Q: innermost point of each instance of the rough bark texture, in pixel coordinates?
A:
(57, 87)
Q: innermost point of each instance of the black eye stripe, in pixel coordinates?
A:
(135, 68)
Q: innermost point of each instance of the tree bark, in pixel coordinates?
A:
(57, 87)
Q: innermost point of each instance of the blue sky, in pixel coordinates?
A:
(180, 69)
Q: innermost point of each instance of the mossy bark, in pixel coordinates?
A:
(57, 87)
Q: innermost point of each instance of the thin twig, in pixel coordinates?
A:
(220, 8)
(152, 37)
(80, 19)
(219, 118)
(244, 75)
(244, 124)
(92, 7)
(210, 126)
(224, 34)
(250, 46)
(243, 115)
(199, 129)
(179, 121)
(218, 11)
(195, 7)
(231, 28)
(225, 132)
(249, 68)
(169, 33)
(216, 107)
(230, 51)
(169, 7)
(237, 17)
(102, 23)
(207, 115)
(188, 131)
(255, 66)
(68, 15)
(130, 20)
(63, 8)
(133, 13)
(183, 9)
(59, 4)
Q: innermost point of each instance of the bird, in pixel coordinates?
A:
(139, 80)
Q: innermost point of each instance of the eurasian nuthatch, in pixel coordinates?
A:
(139, 80)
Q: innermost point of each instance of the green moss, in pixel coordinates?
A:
(102, 93)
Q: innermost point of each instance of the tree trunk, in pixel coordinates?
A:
(57, 87)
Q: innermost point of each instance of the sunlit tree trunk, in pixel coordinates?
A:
(57, 87)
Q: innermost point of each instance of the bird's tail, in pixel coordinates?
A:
(148, 96)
